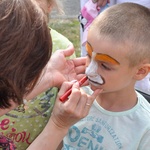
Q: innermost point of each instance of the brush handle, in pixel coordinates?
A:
(65, 96)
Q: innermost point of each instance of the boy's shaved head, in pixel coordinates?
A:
(128, 25)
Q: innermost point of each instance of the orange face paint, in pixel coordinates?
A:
(100, 57)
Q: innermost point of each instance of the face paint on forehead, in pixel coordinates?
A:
(101, 57)
(91, 71)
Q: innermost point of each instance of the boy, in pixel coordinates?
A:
(143, 86)
(118, 55)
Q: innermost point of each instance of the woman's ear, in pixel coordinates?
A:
(142, 71)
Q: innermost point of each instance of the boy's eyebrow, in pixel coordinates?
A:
(102, 57)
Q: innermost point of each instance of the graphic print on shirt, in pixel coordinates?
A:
(93, 134)
(6, 144)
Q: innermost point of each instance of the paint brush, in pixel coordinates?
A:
(68, 92)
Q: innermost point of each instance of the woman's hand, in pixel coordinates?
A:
(101, 3)
(67, 113)
(64, 115)
(60, 69)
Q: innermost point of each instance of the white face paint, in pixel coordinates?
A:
(91, 71)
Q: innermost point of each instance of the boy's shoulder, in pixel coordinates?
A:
(144, 104)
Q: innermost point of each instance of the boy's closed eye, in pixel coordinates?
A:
(104, 66)
(100, 63)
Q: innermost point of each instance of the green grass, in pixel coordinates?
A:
(69, 28)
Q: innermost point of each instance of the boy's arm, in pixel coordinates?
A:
(145, 142)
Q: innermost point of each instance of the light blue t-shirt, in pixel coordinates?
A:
(106, 130)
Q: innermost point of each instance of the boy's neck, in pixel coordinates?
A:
(117, 102)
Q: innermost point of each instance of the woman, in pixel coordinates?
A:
(25, 49)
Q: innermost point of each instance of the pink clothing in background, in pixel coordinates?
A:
(88, 13)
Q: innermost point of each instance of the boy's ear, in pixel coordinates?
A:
(142, 71)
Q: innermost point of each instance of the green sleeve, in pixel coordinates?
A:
(60, 41)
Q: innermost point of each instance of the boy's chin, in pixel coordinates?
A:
(93, 87)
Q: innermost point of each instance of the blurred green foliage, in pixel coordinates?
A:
(69, 28)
